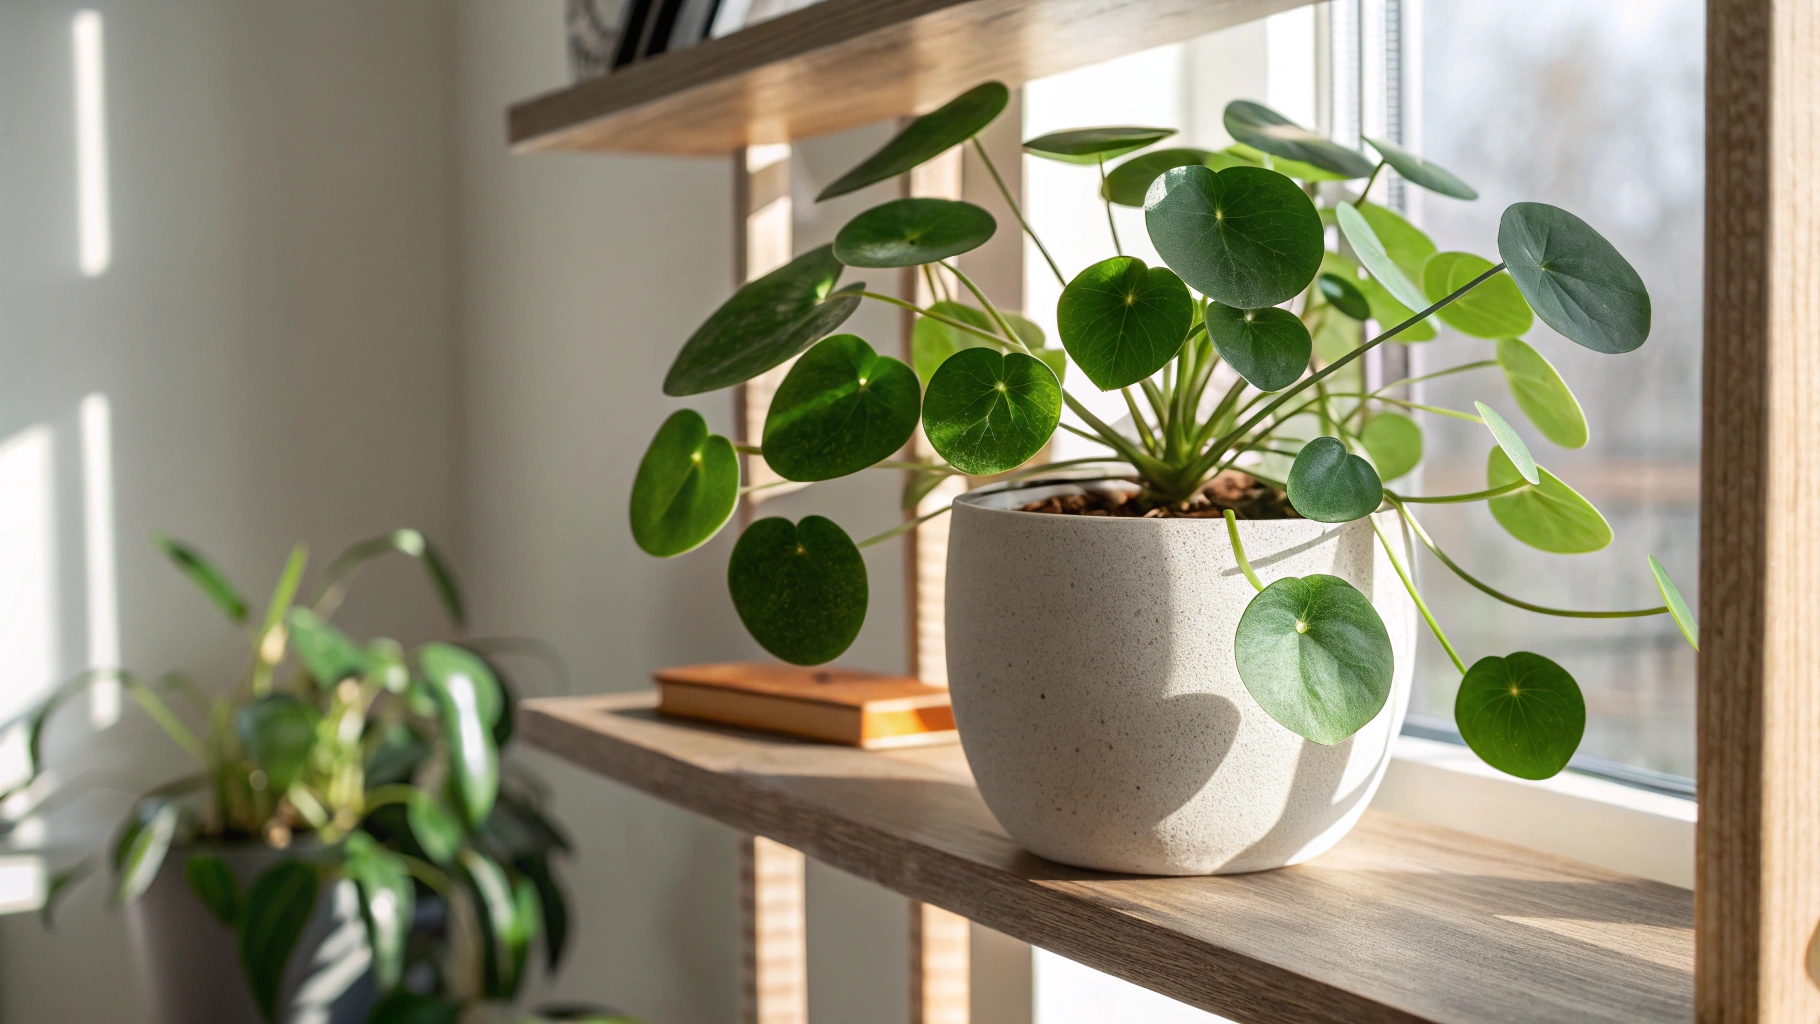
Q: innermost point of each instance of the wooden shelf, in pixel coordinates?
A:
(845, 63)
(1401, 922)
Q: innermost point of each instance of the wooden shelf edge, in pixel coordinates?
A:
(784, 791)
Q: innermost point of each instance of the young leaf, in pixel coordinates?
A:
(932, 341)
(988, 413)
(276, 911)
(1127, 184)
(686, 488)
(800, 588)
(1344, 296)
(387, 899)
(764, 324)
(1244, 236)
(1091, 145)
(278, 732)
(912, 232)
(1315, 656)
(1371, 252)
(1394, 442)
(842, 408)
(1122, 321)
(326, 652)
(1574, 279)
(1268, 347)
(215, 887)
(1508, 439)
(1418, 171)
(435, 829)
(1522, 714)
(1677, 605)
(1331, 485)
(1549, 517)
(1260, 127)
(470, 703)
(142, 847)
(1541, 393)
(1494, 309)
(210, 580)
(1406, 245)
(927, 137)
(402, 1006)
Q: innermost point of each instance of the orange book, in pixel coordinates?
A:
(833, 705)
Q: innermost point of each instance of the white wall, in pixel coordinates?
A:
(273, 336)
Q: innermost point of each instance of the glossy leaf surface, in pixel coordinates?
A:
(1677, 605)
(988, 413)
(842, 408)
(1493, 309)
(1574, 279)
(1394, 442)
(215, 887)
(1376, 259)
(142, 848)
(1523, 714)
(763, 324)
(1331, 485)
(1260, 127)
(277, 909)
(1515, 451)
(1243, 236)
(1315, 656)
(435, 829)
(686, 488)
(800, 588)
(1549, 517)
(470, 703)
(1541, 393)
(1091, 145)
(278, 733)
(203, 573)
(387, 903)
(1344, 296)
(912, 232)
(1129, 182)
(925, 138)
(1418, 171)
(1268, 347)
(1121, 321)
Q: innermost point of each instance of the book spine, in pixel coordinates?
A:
(631, 32)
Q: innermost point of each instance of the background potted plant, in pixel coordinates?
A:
(1132, 693)
(350, 838)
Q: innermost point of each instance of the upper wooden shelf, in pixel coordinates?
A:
(845, 63)
(1401, 922)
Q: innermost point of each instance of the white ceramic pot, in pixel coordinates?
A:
(1099, 703)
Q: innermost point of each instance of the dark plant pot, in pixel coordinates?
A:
(193, 960)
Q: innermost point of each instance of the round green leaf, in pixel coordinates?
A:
(1574, 279)
(932, 341)
(912, 232)
(1376, 259)
(1394, 442)
(686, 487)
(1091, 145)
(1260, 127)
(1542, 394)
(1407, 245)
(800, 588)
(1315, 656)
(841, 408)
(1127, 183)
(1344, 296)
(1331, 485)
(1244, 236)
(764, 324)
(1418, 171)
(1511, 442)
(1268, 347)
(1677, 605)
(1493, 309)
(1523, 714)
(988, 413)
(927, 137)
(1550, 516)
(1122, 321)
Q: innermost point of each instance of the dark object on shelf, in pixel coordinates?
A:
(593, 36)
(833, 705)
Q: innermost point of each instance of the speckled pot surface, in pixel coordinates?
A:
(1100, 706)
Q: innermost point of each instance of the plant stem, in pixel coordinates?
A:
(1421, 605)
(1137, 418)
(749, 488)
(1017, 211)
(1238, 551)
(1406, 381)
(1539, 609)
(1436, 409)
(1368, 183)
(1106, 200)
(931, 314)
(902, 528)
(168, 720)
(1457, 499)
(991, 310)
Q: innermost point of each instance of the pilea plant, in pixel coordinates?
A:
(1274, 266)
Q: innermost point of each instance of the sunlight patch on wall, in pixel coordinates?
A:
(96, 420)
(95, 232)
(28, 581)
